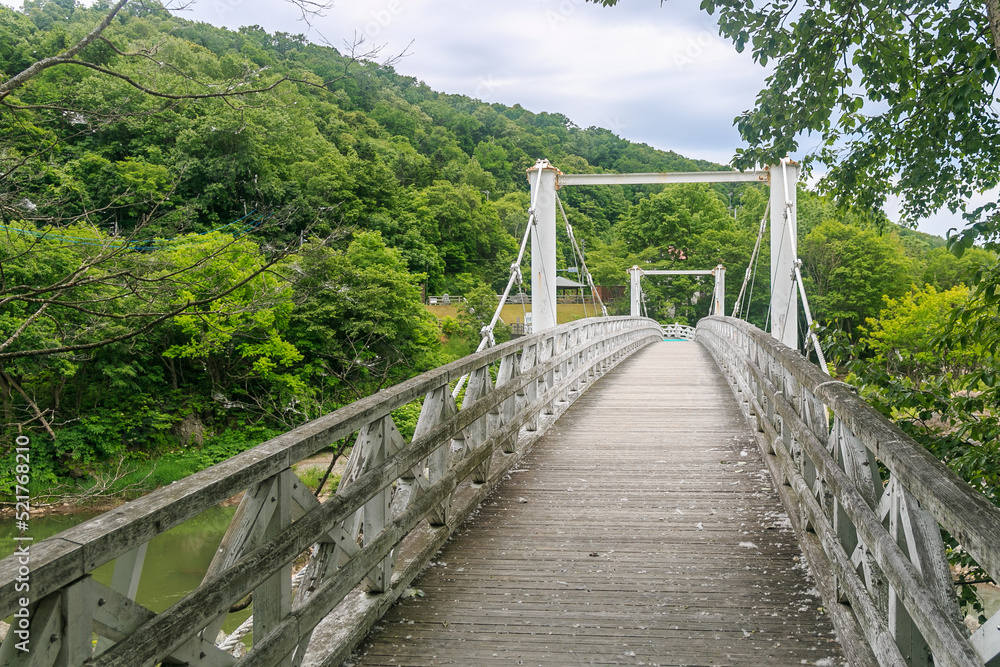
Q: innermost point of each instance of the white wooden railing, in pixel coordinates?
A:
(681, 331)
(397, 504)
(868, 504)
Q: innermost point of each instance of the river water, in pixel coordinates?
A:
(175, 561)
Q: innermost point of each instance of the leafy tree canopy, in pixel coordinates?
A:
(850, 270)
(902, 95)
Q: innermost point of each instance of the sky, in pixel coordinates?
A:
(656, 75)
(652, 72)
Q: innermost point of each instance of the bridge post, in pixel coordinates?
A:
(784, 252)
(543, 246)
(719, 297)
(636, 291)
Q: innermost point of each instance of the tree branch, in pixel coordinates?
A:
(7, 87)
(34, 406)
(149, 325)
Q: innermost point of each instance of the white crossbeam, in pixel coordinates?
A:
(677, 272)
(757, 176)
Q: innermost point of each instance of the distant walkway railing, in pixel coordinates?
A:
(867, 503)
(397, 504)
(679, 331)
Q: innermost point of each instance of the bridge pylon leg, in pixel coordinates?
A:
(719, 295)
(543, 246)
(784, 253)
(635, 286)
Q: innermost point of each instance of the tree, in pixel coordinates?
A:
(359, 319)
(64, 120)
(907, 337)
(121, 77)
(237, 336)
(682, 227)
(66, 293)
(944, 271)
(669, 221)
(476, 312)
(850, 270)
(902, 95)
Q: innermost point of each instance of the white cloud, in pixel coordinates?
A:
(658, 75)
(943, 220)
(650, 73)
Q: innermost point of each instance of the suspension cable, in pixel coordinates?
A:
(515, 269)
(752, 264)
(583, 260)
(515, 276)
(753, 283)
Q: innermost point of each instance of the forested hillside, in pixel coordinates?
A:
(212, 236)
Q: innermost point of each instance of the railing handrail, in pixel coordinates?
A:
(554, 362)
(789, 398)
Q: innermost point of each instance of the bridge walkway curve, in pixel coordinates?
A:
(641, 530)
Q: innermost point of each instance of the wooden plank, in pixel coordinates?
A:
(169, 629)
(115, 616)
(940, 629)
(655, 472)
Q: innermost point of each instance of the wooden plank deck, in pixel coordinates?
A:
(642, 530)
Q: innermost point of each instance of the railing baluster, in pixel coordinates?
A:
(246, 531)
(272, 601)
(918, 536)
(438, 407)
(50, 642)
(529, 358)
(986, 641)
(548, 350)
(380, 440)
(125, 580)
(480, 385)
(510, 369)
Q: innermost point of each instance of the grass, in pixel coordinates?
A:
(312, 476)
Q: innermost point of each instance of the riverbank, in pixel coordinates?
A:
(310, 471)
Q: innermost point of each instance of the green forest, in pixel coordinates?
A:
(210, 237)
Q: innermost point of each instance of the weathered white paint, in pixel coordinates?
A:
(663, 177)
(874, 543)
(543, 246)
(784, 252)
(718, 306)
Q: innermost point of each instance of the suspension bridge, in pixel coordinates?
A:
(709, 499)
